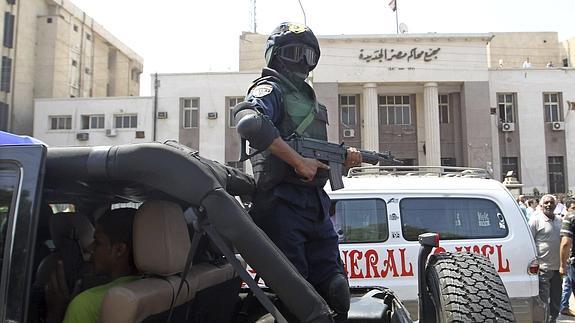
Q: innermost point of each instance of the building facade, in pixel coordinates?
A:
(431, 99)
(94, 121)
(52, 49)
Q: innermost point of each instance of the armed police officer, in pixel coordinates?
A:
(290, 204)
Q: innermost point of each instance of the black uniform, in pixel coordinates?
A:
(293, 213)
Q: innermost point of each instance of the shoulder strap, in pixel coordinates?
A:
(195, 236)
(306, 122)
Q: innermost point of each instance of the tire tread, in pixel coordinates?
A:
(470, 290)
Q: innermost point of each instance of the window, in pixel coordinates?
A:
(232, 102)
(394, 110)
(9, 179)
(236, 164)
(190, 110)
(74, 63)
(93, 122)
(552, 107)
(60, 122)
(6, 75)
(448, 161)
(88, 36)
(556, 174)
(75, 28)
(49, 20)
(407, 161)
(135, 75)
(348, 110)
(8, 30)
(506, 103)
(452, 218)
(87, 70)
(363, 220)
(509, 164)
(4, 107)
(126, 121)
(444, 108)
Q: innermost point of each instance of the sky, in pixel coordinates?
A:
(188, 36)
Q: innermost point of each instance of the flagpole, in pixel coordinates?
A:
(396, 19)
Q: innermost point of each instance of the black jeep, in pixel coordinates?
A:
(50, 198)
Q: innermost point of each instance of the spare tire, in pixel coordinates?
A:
(465, 287)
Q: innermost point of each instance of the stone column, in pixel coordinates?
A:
(431, 117)
(369, 120)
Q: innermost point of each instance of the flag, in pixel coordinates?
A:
(393, 5)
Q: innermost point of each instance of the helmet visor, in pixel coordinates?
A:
(295, 53)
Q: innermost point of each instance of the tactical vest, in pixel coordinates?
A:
(300, 109)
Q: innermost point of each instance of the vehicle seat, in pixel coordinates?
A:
(71, 233)
(161, 245)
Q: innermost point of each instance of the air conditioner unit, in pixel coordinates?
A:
(212, 115)
(111, 132)
(348, 133)
(508, 126)
(558, 126)
(163, 115)
(82, 136)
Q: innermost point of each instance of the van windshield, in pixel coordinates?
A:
(452, 218)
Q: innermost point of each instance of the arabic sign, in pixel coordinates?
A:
(392, 54)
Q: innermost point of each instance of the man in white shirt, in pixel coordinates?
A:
(526, 63)
(545, 228)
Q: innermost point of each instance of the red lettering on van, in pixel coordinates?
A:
(345, 262)
(371, 258)
(439, 250)
(501, 269)
(354, 256)
(389, 265)
(485, 252)
(405, 272)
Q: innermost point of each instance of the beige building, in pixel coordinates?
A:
(52, 49)
(432, 99)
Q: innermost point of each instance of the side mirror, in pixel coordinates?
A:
(429, 240)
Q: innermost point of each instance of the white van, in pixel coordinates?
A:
(382, 210)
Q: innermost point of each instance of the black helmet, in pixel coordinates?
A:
(289, 33)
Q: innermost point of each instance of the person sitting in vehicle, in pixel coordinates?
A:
(111, 255)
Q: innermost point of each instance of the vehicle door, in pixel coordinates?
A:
(371, 246)
(21, 178)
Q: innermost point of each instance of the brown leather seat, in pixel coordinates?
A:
(161, 244)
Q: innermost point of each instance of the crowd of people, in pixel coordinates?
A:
(552, 224)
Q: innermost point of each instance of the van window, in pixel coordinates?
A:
(452, 218)
(9, 177)
(363, 220)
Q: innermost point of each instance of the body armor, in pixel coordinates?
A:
(298, 104)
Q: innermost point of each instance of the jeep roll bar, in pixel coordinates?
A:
(195, 181)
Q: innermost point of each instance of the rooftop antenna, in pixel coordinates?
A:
(304, 19)
(254, 16)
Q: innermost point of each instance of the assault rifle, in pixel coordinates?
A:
(334, 155)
